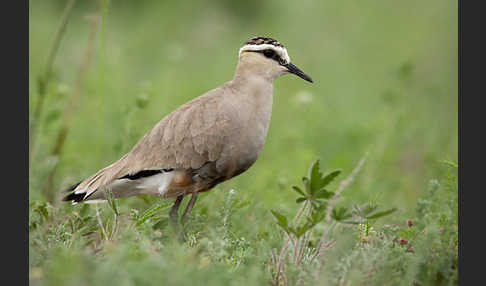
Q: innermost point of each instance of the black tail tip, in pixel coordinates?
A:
(75, 198)
(71, 188)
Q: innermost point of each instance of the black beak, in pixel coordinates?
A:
(295, 70)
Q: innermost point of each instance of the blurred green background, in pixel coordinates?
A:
(385, 77)
(385, 84)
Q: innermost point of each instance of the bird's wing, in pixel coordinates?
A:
(188, 137)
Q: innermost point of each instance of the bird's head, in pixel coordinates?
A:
(268, 58)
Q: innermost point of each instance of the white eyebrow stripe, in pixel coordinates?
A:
(282, 52)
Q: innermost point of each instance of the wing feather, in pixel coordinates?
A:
(188, 137)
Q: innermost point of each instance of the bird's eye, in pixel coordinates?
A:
(269, 53)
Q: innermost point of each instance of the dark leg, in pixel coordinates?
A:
(189, 206)
(173, 211)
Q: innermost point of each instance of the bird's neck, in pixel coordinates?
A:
(254, 94)
(253, 86)
(251, 80)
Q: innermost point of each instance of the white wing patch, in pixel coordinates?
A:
(157, 184)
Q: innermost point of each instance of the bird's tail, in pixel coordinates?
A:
(89, 189)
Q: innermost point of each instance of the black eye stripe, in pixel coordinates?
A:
(275, 55)
(269, 53)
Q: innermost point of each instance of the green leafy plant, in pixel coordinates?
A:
(313, 193)
(151, 214)
(314, 185)
(316, 198)
(360, 213)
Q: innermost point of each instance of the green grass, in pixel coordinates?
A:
(385, 77)
(230, 239)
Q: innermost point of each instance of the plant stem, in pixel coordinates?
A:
(100, 222)
(285, 247)
(70, 107)
(343, 185)
(43, 80)
(103, 6)
(325, 237)
(299, 214)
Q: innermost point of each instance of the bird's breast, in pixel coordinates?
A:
(250, 122)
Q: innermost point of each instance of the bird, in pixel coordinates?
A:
(204, 142)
